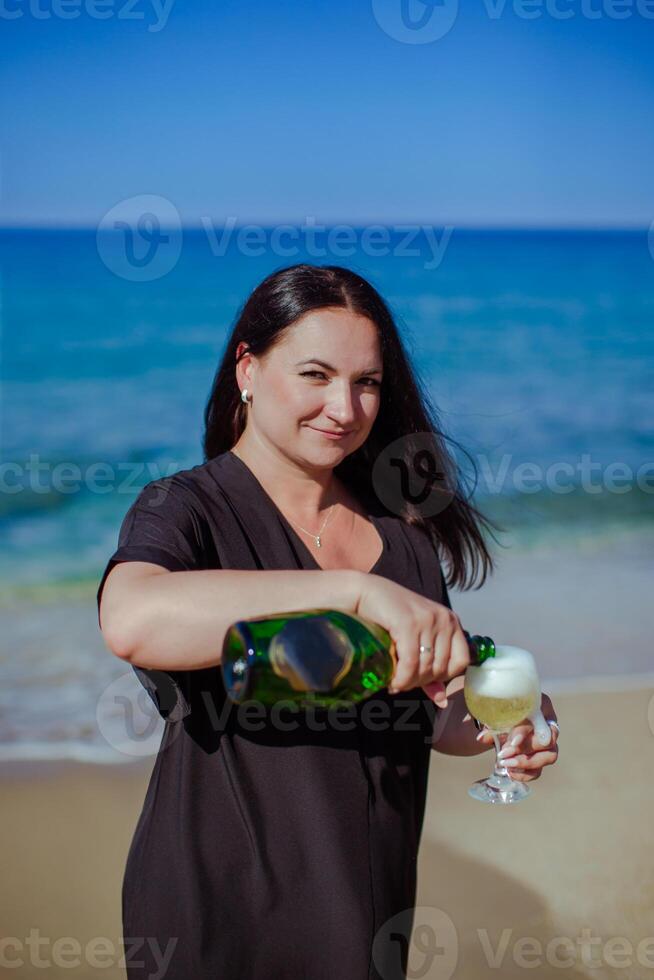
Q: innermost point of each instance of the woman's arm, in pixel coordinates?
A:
(155, 618)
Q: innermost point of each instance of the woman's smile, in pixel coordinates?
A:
(330, 434)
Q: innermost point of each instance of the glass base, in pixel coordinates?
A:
(499, 788)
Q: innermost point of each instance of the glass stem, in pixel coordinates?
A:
(500, 768)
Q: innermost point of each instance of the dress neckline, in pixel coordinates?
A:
(290, 529)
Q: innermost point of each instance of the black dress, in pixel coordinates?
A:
(271, 851)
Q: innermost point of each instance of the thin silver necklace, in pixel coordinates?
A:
(316, 537)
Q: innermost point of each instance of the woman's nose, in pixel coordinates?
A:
(342, 404)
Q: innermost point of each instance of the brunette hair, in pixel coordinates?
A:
(405, 408)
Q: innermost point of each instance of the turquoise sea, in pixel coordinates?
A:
(536, 346)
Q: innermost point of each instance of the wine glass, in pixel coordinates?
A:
(501, 692)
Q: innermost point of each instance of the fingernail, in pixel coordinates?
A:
(479, 736)
(516, 739)
(504, 751)
(511, 762)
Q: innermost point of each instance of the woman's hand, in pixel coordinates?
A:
(527, 759)
(412, 621)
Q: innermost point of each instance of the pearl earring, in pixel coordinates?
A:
(244, 396)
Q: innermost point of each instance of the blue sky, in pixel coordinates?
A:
(275, 111)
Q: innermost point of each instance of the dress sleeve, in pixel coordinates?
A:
(163, 526)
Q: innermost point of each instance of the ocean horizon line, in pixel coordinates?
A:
(572, 228)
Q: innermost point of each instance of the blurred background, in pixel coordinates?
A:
(489, 168)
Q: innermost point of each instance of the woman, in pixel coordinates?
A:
(276, 846)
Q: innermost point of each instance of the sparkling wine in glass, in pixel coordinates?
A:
(500, 692)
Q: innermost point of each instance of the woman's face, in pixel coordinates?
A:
(295, 396)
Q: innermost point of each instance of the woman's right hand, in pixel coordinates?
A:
(412, 620)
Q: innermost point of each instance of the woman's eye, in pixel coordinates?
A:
(371, 381)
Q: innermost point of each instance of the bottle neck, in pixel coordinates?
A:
(481, 649)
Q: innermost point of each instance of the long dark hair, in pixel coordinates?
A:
(405, 408)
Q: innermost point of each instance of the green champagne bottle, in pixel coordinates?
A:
(316, 657)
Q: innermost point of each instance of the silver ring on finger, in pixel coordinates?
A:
(426, 661)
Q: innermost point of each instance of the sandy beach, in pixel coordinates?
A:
(561, 884)
(573, 860)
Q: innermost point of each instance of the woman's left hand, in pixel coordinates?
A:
(525, 761)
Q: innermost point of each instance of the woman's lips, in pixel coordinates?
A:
(331, 435)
